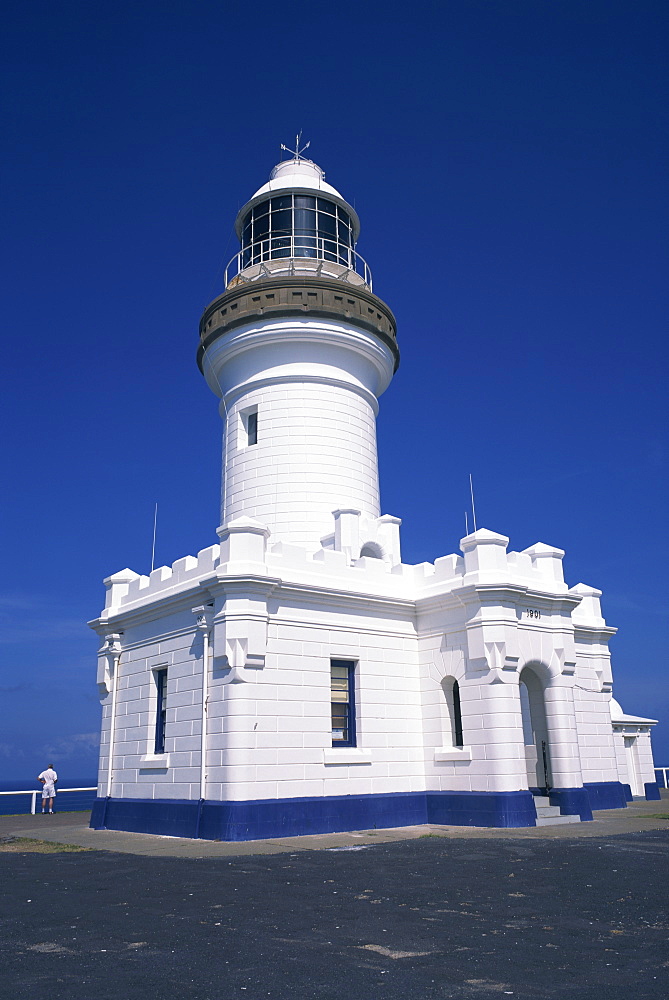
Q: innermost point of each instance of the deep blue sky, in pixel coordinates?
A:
(508, 159)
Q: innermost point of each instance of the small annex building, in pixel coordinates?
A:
(297, 677)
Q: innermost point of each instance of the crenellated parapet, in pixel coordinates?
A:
(362, 554)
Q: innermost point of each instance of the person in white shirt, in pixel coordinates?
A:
(48, 779)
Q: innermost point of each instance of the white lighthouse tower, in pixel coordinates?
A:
(299, 349)
(297, 676)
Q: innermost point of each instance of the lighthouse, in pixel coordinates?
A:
(298, 349)
(295, 676)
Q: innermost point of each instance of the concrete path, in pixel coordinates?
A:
(72, 828)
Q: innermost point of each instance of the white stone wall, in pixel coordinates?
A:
(596, 745)
(316, 383)
(270, 735)
(316, 453)
(279, 614)
(135, 774)
(646, 763)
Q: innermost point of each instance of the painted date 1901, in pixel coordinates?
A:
(532, 613)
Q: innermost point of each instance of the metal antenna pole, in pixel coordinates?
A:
(466, 525)
(471, 490)
(153, 547)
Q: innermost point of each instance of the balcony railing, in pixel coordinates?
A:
(313, 256)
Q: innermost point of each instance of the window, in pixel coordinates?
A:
(252, 427)
(453, 721)
(457, 716)
(161, 709)
(342, 700)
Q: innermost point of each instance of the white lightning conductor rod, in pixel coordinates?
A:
(471, 490)
(205, 698)
(153, 547)
(116, 657)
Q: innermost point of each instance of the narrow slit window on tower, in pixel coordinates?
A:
(160, 677)
(342, 702)
(252, 427)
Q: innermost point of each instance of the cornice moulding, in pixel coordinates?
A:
(603, 632)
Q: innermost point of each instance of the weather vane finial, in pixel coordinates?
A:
(297, 152)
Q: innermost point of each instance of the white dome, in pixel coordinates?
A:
(304, 174)
(298, 175)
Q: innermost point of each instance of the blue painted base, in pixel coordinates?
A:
(606, 794)
(652, 791)
(505, 809)
(260, 819)
(628, 793)
(572, 802)
(266, 818)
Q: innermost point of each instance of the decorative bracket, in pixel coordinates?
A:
(500, 662)
(204, 617)
(559, 664)
(107, 657)
(240, 628)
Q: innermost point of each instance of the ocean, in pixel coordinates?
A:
(71, 802)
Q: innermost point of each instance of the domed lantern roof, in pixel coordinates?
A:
(297, 224)
(298, 176)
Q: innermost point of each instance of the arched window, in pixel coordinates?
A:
(451, 690)
(371, 550)
(457, 716)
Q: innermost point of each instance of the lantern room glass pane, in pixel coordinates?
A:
(344, 231)
(282, 222)
(327, 224)
(329, 250)
(305, 246)
(305, 219)
(280, 247)
(260, 227)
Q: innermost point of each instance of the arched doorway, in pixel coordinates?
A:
(535, 730)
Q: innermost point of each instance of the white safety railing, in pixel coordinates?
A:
(294, 254)
(665, 775)
(35, 792)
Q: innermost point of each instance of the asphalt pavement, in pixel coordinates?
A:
(436, 916)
